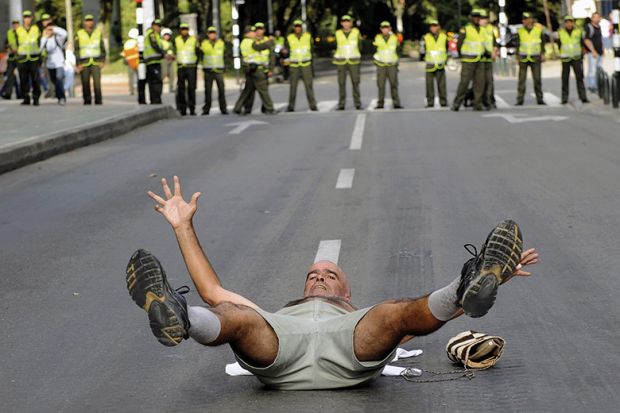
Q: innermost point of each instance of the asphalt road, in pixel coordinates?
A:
(425, 183)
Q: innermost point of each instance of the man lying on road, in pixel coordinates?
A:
(320, 341)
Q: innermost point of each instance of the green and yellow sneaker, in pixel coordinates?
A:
(494, 265)
(166, 308)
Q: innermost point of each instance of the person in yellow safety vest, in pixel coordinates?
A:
(386, 60)
(571, 42)
(471, 49)
(213, 49)
(168, 67)
(153, 54)
(90, 54)
(300, 58)
(11, 48)
(256, 53)
(186, 50)
(490, 53)
(529, 42)
(434, 51)
(347, 60)
(28, 38)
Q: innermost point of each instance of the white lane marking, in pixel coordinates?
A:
(327, 105)
(276, 107)
(387, 103)
(345, 178)
(241, 126)
(550, 99)
(329, 250)
(501, 103)
(358, 132)
(512, 118)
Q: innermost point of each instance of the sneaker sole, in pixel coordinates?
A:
(502, 253)
(147, 286)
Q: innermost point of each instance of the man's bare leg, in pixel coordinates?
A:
(385, 325)
(247, 332)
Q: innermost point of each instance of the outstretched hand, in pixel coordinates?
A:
(528, 257)
(174, 208)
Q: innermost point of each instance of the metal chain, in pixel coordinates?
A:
(462, 373)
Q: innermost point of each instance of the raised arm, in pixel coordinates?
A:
(179, 215)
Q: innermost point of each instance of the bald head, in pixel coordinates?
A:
(327, 279)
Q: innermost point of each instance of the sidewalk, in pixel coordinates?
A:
(31, 134)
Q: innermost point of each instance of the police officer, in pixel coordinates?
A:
(167, 68)
(386, 60)
(529, 43)
(90, 54)
(213, 68)
(570, 40)
(471, 50)
(153, 55)
(29, 58)
(434, 51)
(490, 53)
(186, 53)
(347, 60)
(11, 48)
(256, 53)
(300, 55)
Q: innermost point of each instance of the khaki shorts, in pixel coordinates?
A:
(315, 349)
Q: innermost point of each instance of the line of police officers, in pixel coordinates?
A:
(26, 54)
(258, 61)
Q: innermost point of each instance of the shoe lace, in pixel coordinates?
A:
(184, 289)
(471, 248)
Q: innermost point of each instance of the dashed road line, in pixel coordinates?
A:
(329, 250)
(345, 178)
(358, 132)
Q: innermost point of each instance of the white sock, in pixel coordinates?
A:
(443, 302)
(205, 325)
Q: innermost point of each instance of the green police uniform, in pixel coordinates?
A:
(167, 65)
(11, 80)
(530, 49)
(28, 61)
(256, 56)
(488, 96)
(153, 55)
(213, 69)
(471, 51)
(386, 60)
(571, 54)
(186, 51)
(300, 49)
(347, 60)
(90, 53)
(435, 56)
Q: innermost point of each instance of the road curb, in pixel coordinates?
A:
(43, 147)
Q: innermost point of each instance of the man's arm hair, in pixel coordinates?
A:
(201, 271)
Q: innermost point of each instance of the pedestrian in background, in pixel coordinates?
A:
(90, 54)
(10, 79)
(529, 42)
(53, 42)
(167, 66)
(300, 58)
(570, 40)
(347, 60)
(213, 49)
(434, 51)
(594, 46)
(29, 58)
(186, 54)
